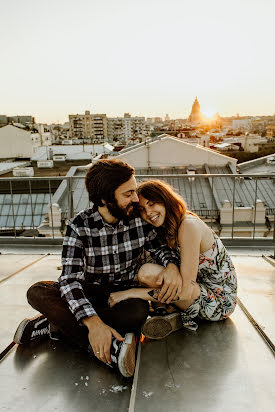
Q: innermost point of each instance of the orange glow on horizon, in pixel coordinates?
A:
(209, 113)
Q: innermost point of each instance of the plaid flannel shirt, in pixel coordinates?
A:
(103, 254)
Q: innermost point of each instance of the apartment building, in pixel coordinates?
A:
(125, 128)
(270, 131)
(242, 124)
(88, 126)
(24, 120)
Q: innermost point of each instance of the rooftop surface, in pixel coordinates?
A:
(224, 366)
(72, 151)
(265, 164)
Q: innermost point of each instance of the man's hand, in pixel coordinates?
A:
(171, 282)
(100, 337)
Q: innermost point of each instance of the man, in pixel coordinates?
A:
(101, 254)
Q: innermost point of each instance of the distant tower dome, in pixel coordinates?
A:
(196, 116)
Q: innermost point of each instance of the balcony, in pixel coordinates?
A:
(224, 366)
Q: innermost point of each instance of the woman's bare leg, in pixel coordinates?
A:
(148, 275)
(184, 304)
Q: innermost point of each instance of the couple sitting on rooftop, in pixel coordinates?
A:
(101, 300)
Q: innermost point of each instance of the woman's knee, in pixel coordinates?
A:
(148, 274)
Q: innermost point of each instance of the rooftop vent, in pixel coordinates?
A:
(45, 164)
(23, 172)
(191, 172)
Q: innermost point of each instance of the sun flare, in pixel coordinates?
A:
(209, 112)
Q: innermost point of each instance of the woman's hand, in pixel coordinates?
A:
(117, 297)
(171, 282)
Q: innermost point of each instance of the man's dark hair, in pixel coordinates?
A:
(104, 177)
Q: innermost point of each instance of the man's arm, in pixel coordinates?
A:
(100, 334)
(73, 273)
(156, 244)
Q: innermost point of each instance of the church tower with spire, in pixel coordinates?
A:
(196, 115)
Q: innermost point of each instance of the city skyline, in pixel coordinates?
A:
(144, 58)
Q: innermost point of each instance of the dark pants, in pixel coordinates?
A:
(126, 316)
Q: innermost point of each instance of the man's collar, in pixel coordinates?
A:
(100, 222)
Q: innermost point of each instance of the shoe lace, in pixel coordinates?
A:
(37, 332)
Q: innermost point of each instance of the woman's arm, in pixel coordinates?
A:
(189, 237)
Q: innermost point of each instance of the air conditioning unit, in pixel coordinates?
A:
(45, 164)
(59, 158)
(23, 172)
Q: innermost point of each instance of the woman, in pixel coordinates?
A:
(208, 283)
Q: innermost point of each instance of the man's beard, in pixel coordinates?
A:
(119, 212)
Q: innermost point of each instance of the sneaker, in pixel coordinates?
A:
(158, 327)
(30, 329)
(123, 355)
(161, 309)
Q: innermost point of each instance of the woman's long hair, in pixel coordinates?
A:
(160, 192)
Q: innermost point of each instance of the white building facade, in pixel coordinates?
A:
(172, 152)
(242, 124)
(15, 143)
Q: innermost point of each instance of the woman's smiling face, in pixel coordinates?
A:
(151, 212)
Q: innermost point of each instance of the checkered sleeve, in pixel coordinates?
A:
(159, 250)
(73, 273)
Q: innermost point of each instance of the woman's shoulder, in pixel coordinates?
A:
(190, 225)
(192, 228)
(191, 222)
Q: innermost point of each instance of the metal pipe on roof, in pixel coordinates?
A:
(255, 208)
(51, 207)
(214, 192)
(206, 176)
(70, 198)
(32, 208)
(233, 207)
(12, 208)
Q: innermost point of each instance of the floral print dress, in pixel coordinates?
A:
(218, 283)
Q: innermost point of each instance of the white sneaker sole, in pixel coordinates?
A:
(127, 356)
(20, 330)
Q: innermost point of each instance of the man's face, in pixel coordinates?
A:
(125, 198)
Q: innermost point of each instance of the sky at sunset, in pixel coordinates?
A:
(146, 57)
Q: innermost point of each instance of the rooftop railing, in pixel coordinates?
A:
(229, 203)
